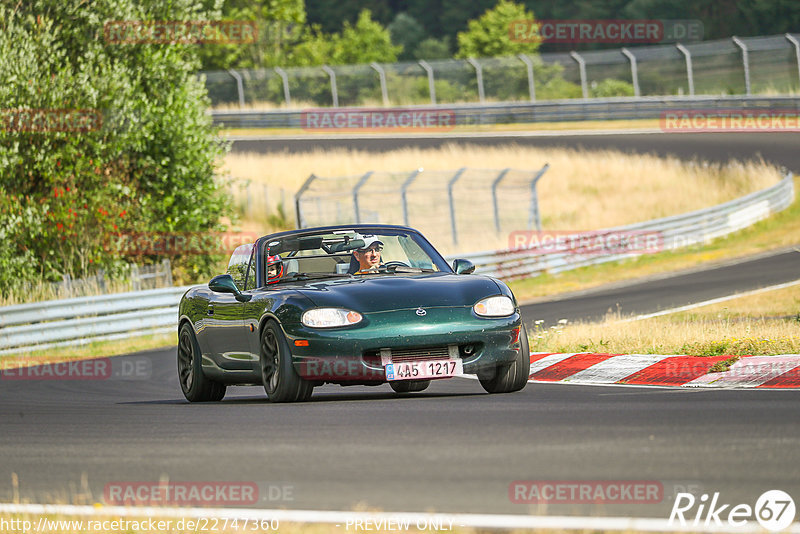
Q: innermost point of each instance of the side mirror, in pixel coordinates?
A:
(224, 284)
(461, 266)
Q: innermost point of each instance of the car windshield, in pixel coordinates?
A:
(351, 252)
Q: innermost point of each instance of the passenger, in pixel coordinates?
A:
(274, 269)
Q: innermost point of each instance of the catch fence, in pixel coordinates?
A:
(736, 66)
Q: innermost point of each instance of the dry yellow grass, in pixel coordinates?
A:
(582, 190)
(766, 323)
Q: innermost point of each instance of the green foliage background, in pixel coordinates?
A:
(148, 168)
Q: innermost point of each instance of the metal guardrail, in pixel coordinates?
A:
(619, 108)
(696, 227)
(40, 325)
(78, 321)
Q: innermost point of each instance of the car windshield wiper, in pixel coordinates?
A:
(383, 269)
(294, 277)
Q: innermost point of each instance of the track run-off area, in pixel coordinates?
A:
(451, 448)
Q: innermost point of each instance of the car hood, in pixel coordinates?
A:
(369, 294)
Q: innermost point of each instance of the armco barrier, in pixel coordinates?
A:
(619, 108)
(680, 230)
(86, 319)
(81, 320)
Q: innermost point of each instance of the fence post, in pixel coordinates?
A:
(745, 63)
(297, 210)
(478, 77)
(358, 186)
(165, 264)
(136, 279)
(534, 216)
(334, 91)
(496, 183)
(582, 69)
(239, 86)
(450, 186)
(791, 39)
(529, 66)
(431, 87)
(689, 69)
(382, 76)
(285, 78)
(404, 189)
(634, 70)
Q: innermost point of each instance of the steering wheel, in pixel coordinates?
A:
(394, 264)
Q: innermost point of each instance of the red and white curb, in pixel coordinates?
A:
(665, 370)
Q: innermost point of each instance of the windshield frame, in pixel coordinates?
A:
(390, 230)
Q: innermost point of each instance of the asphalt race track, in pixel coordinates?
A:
(451, 448)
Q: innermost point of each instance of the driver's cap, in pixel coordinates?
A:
(370, 240)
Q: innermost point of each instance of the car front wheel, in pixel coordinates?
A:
(514, 377)
(281, 381)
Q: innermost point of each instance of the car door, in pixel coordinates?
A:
(225, 319)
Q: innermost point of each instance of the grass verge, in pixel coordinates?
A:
(99, 349)
(621, 125)
(764, 324)
(583, 190)
(781, 230)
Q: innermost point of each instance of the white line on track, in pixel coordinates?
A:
(712, 301)
(503, 521)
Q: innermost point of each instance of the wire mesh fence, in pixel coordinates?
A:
(769, 64)
(463, 209)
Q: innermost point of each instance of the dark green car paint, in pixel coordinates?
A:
(228, 331)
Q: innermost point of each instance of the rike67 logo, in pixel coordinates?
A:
(774, 510)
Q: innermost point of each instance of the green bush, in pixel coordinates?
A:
(610, 87)
(146, 165)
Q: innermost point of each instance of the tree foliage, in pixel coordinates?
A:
(146, 165)
(488, 35)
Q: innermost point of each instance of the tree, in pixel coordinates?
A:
(406, 32)
(363, 42)
(490, 35)
(142, 157)
(280, 25)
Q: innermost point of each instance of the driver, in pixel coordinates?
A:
(367, 258)
(274, 269)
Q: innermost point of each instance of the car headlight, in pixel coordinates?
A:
(330, 317)
(498, 306)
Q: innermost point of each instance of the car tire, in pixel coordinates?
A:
(409, 386)
(195, 385)
(514, 377)
(281, 381)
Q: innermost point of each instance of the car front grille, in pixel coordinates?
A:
(425, 353)
(407, 354)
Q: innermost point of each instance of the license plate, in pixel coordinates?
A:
(424, 369)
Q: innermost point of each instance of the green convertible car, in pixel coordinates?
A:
(349, 305)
